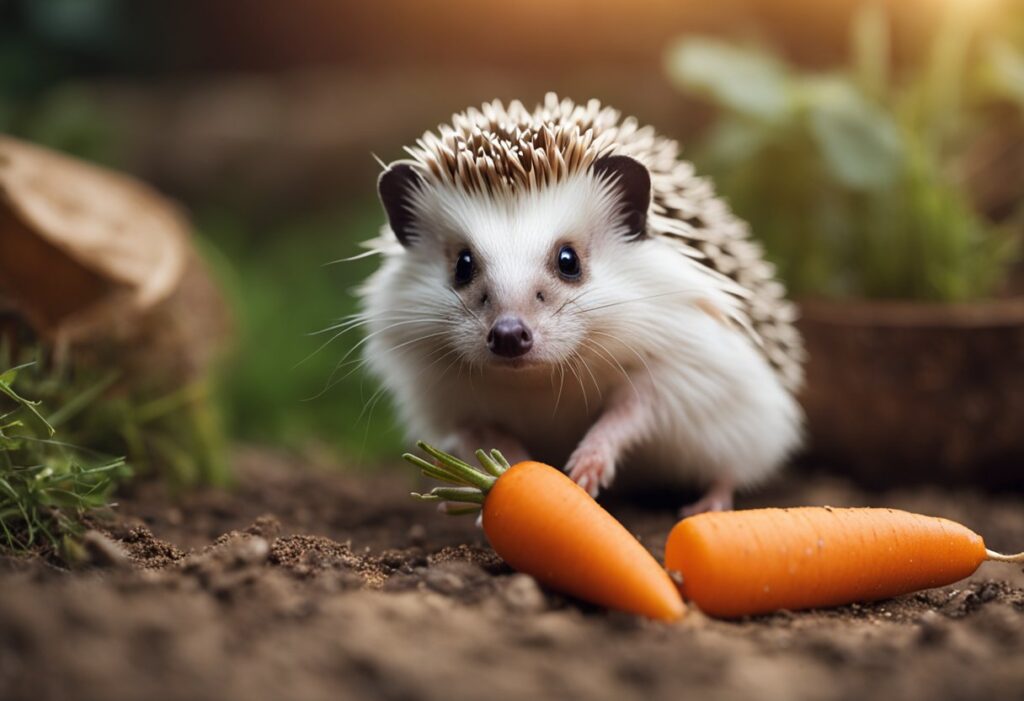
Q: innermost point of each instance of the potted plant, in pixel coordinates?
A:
(860, 183)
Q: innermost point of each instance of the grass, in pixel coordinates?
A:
(46, 484)
(59, 425)
(173, 432)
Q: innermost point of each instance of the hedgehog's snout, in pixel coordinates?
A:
(509, 337)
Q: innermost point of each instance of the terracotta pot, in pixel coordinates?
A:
(904, 392)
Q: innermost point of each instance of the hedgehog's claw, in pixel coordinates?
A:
(591, 470)
(717, 498)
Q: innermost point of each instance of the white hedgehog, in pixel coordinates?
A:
(557, 284)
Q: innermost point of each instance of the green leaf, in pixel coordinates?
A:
(736, 141)
(84, 399)
(860, 143)
(27, 405)
(747, 81)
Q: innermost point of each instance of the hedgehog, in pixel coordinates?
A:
(559, 284)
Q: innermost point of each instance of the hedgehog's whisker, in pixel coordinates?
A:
(561, 385)
(469, 311)
(579, 379)
(360, 362)
(370, 404)
(642, 359)
(365, 339)
(357, 256)
(593, 378)
(584, 310)
(362, 320)
(341, 364)
(601, 351)
(440, 358)
(571, 300)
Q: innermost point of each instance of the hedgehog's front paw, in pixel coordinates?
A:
(592, 468)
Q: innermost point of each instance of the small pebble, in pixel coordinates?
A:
(251, 551)
(417, 534)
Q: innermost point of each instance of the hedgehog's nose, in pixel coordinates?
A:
(509, 337)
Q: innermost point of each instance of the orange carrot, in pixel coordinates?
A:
(542, 523)
(749, 562)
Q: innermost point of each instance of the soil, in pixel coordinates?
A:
(312, 583)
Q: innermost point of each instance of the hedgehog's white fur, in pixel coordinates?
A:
(656, 353)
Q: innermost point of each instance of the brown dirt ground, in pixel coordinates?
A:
(308, 583)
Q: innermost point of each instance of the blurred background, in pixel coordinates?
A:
(874, 146)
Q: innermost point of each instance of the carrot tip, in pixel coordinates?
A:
(999, 557)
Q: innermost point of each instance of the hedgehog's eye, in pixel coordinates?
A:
(568, 263)
(464, 267)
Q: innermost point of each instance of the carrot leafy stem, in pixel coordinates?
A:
(490, 464)
(470, 495)
(471, 483)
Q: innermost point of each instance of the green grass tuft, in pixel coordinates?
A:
(175, 433)
(46, 484)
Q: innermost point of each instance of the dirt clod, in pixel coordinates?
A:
(484, 557)
(307, 556)
(971, 599)
(522, 594)
(147, 551)
(266, 526)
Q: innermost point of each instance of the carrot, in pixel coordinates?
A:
(542, 523)
(749, 562)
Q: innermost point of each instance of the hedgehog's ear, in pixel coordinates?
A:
(395, 188)
(633, 182)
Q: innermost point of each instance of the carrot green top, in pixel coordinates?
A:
(470, 484)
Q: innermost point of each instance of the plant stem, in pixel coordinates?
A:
(473, 483)
(489, 463)
(469, 474)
